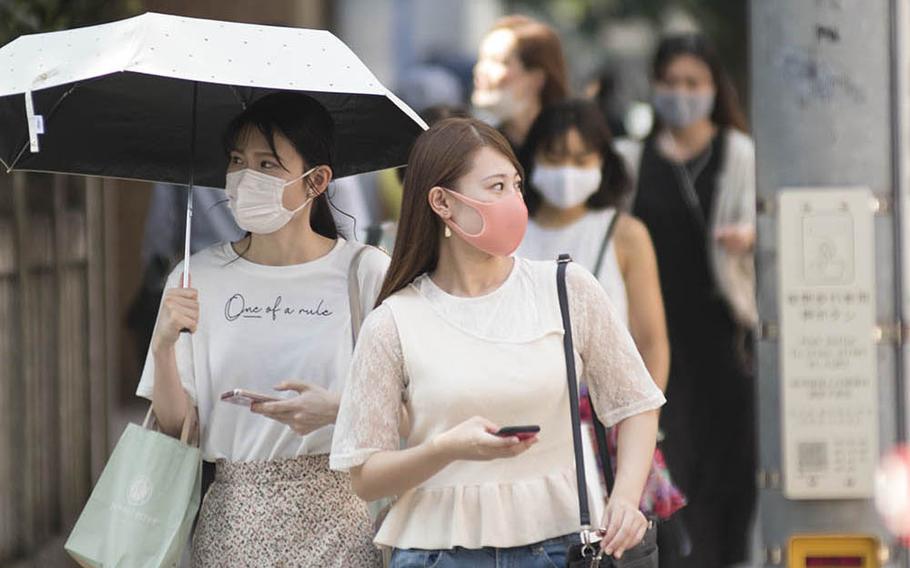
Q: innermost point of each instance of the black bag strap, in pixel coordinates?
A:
(600, 435)
(611, 228)
(568, 346)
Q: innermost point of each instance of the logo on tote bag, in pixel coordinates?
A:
(140, 491)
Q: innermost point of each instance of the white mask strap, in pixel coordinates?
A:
(309, 199)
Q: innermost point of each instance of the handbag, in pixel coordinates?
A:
(588, 553)
(141, 511)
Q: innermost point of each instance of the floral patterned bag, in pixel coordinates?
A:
(661, 497)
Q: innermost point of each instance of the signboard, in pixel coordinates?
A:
(829, 386)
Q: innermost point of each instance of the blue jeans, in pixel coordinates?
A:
(547, 554)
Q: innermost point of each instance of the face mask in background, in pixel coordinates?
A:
(500, 104)
(255, 199)
(680, 109)
(504, 223)
(566, 186)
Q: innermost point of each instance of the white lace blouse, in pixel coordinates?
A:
(499, 356)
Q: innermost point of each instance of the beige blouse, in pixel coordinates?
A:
(499, 356)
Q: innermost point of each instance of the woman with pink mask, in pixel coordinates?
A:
(520, 69)
(474, 340)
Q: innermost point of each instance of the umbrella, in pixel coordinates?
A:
(149, 98)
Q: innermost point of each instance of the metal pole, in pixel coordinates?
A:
(189, 192)
(829, 89)
(898, 94)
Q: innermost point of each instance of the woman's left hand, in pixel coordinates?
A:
(623, 526)
(312, 408)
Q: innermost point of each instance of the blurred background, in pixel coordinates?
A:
(78, 263)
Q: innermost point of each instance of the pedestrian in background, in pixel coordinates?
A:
(520, 69)
(577, 182)
(695, 192)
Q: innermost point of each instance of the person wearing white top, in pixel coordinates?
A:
(577, 181)
(270, 313)
(472, 339)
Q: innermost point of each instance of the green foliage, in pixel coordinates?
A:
(18, 17)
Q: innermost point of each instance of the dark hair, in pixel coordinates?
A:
(440, 157)
(548, 135)
(727, 112)
(538, 47)
(433, 114)
(310, 129)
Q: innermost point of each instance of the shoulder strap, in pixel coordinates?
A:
(572, 377)
(374, 235)
(600, 435)
(611, 228)
(354, 293)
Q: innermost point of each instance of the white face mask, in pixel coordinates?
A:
(566, 186)
(255, 200)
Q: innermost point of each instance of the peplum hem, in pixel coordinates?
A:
(500, 515)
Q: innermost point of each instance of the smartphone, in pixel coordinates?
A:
(244, 397)
(520, 432)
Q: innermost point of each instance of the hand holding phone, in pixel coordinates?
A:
(480, 439)
(520, 432)
(243, 397)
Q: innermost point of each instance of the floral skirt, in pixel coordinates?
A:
(293, 512)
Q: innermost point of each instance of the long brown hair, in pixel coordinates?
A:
(440, 157)
(538, 47)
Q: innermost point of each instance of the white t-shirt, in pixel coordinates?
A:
(582, 240)
(261, 325)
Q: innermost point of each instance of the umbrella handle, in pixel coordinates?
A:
(186, 239)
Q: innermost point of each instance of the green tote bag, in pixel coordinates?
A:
(141, 511)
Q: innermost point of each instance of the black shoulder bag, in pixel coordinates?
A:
(588, 554)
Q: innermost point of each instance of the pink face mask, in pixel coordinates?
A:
(504, 223)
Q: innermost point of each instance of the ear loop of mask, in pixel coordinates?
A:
(466, 201)
(328, 198)
(309, 199)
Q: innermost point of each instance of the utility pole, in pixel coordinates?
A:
(830, 105)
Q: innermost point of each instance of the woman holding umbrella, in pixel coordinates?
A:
(271, 313)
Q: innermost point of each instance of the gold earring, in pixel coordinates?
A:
(447, 232)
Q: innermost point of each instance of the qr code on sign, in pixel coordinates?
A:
(812, 456)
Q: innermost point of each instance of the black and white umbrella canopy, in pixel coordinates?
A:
(126, 99)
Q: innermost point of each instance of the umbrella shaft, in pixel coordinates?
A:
(186, 239)
(189, 194)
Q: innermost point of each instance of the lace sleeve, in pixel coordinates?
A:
(617, 378)
(368, 417)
